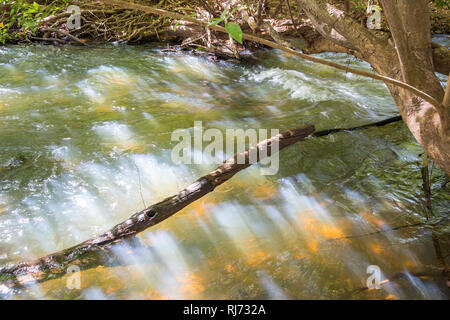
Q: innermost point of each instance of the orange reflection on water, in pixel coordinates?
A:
(265, 192)
(370, 218)
(256, 258)
(191, 285)
(229, 267)
(319, 228)
(377, 248)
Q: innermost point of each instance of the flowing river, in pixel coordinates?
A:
(85, 141)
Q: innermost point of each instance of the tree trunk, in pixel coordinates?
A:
(409, 57)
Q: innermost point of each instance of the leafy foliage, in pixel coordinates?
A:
(233, 29)
(442, 3)
(24, 18)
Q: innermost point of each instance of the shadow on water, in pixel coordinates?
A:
(85, 142)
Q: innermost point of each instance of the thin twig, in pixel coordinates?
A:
(66, 34)
(48, 39)
(292, 17)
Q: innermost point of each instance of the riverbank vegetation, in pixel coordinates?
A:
(101, 22)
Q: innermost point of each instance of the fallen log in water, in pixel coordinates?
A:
(95, 251)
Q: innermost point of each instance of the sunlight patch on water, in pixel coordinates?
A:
(163, 267)
(114, 132)
(111, 76)
(298, 84)
(273, 290)
(94, 293)
(118, 137)
(193, 67)
(315, 88)
(229, 216)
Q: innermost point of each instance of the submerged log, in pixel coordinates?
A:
(96, 251)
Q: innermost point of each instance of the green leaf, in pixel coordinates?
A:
(235, 31)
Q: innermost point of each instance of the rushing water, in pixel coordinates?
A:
(85, 132)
